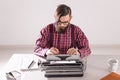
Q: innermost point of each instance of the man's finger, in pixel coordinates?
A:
(56, 50)
(53, 51)
(69, 51)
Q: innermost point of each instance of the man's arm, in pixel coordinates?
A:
(41, 46)
(82, 44)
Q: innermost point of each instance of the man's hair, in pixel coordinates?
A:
(63, 10)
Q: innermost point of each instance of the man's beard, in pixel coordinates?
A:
(61, 30)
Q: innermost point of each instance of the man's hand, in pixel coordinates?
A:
(72, 51)
(52, 51)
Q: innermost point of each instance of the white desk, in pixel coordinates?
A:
(96, 68)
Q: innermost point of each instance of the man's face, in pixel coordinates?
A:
(62, 22)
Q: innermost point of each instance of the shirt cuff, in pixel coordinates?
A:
(83, 53)
(41, 52)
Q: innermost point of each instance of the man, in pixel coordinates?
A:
(62, 37)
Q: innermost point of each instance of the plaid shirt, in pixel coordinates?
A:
(62, 41)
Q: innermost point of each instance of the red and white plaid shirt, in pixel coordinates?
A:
(62, 41)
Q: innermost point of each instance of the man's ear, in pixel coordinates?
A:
(56, 17)
(70, 18)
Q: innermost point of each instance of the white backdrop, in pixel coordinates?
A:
(21, 20)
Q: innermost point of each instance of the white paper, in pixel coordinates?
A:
(61, 62)
(28, 63)
(25, 63)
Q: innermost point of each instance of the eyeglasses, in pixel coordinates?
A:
(64, 23)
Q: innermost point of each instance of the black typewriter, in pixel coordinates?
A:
(63, 66)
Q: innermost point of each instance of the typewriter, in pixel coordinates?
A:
(63, 66)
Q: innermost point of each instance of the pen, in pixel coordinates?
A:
(30, 64)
